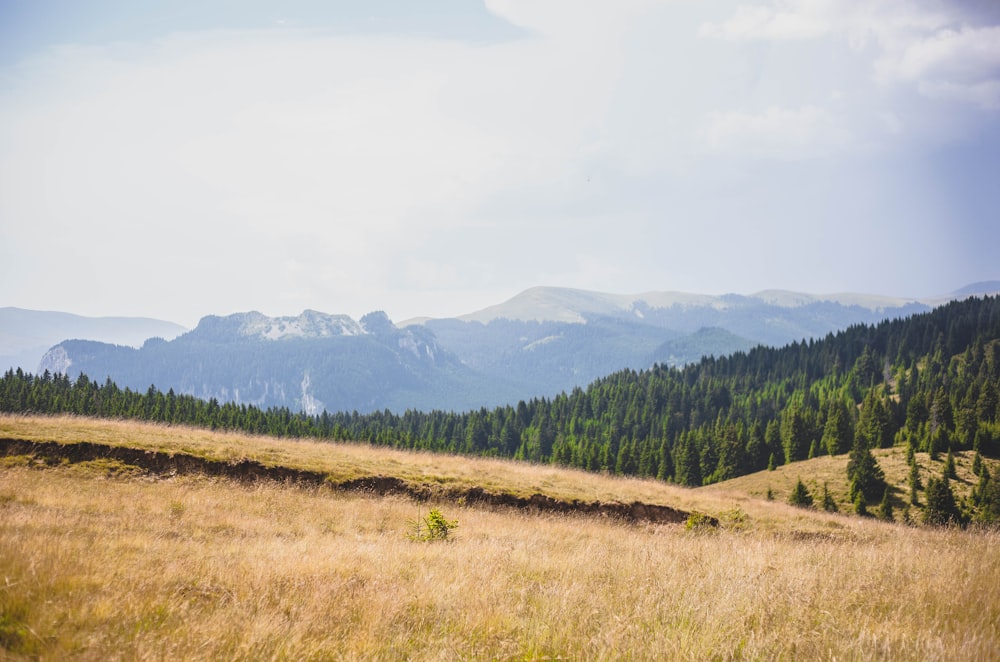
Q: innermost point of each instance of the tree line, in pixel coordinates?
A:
(930, 381)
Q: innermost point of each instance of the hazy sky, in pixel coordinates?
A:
(185, 158)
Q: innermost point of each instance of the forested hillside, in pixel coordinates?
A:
(931, 380)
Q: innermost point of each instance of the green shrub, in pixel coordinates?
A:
(433, 526)
(700, 521)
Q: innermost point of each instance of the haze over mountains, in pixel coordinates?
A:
(25, 335)
(538, 343)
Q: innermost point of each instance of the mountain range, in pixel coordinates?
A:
(539, 343)
(25, 335)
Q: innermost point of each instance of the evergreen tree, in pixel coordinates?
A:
(800, 496)
(885, 507)
(914, 483)
(864, 474)
(949, 466)
(829, 505)
(874, 429)
(795, 435)
(941, 507)
(988, 499)
(772, 440)
(907, 515)
(838, 432)
(860, 507)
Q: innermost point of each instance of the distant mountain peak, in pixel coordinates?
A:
(563, 304)
(978, 289)
(256, 325)
(309, 324)
(788, 299)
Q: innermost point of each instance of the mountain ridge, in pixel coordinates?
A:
(25, 335)
(314, 361)
(564, 304)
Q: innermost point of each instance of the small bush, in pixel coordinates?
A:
(433, 526)
(700, 521)
(734, 519)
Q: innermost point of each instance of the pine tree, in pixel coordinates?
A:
(860, 507)
(885, 507)
(988, 499)
(907, 515)
(795, 434)
(914, 482)
(949, 466)
(839, 429)
(864, 474)
(800, 496)
(829, 505)
(941, 507)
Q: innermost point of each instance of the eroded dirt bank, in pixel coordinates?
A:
(165, 464)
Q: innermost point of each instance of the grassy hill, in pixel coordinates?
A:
(106, 559)
(832, 472)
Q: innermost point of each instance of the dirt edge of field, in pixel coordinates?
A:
(247, 471)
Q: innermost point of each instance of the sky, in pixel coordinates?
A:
(186, 158)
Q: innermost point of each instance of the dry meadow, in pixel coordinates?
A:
(101, 561)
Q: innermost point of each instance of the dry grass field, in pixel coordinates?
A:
(832, 472)
(102, 561)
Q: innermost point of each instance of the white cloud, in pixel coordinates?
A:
(760, 22)
(985, 94)
(951, 64)
(289, 168)
(781, 133)
(929, 45)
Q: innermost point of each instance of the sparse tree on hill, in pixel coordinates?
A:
(941, 507)
(800, 496)
(987, 499)
(860, 507)
(864, 474)
(915, 484)
(949, 466)
(885, 507)
(829, 505)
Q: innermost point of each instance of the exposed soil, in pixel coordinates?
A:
(167, 464)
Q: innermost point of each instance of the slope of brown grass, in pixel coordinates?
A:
(100, 561)
(832, 471)
(340, 461)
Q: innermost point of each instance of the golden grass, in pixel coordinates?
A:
(190, 568)
(832, 471)
(342, 461)
(98, 562)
